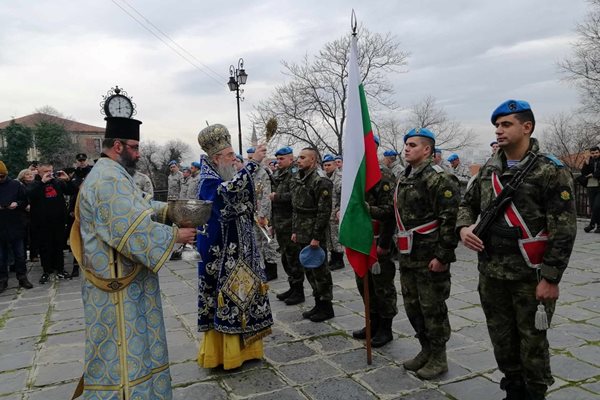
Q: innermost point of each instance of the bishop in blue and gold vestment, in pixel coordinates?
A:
(121, 245)
(233, 304)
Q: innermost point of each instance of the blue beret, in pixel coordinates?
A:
(453, 157)
(251, 150)
(376, 139)
(196, 164)
(172, 162)
(390, 153)
(328, 158)
(438, 151)
(185, 168)
(284, 151)
(493, 143)
(273, 162)
(239, 157)
(338, 157)
(422, 132)
(312, 257)
(510, 107)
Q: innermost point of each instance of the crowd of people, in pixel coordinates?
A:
(286, 211)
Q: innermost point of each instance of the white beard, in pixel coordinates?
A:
(226, 172)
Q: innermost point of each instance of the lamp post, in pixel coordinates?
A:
(237, 77)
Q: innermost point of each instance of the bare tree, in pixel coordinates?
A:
(450, 135)
(154, 159)
(311, 107)
(583, 68)
(568, 136)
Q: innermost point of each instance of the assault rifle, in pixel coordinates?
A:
(497, 206)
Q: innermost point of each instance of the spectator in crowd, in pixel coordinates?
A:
(49, 217)
(26, 177)
(174, 181)
(13, 201)
(591, 171)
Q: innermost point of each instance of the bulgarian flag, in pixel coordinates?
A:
(361, 172)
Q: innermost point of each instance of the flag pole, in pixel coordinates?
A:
(367, 317)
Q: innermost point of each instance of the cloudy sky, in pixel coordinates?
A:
(469, 54)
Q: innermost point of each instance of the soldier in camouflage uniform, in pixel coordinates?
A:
(262, 189)
(281, 199)
(427, 200)
(382, 290)
(143, 182)
(514, 279)
(174, 181)
(311, 203)
(194, 181)
(392, 162)
(337, 250)
(183, 191)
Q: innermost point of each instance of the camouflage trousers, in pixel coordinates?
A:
(425, 294)
(266, 249)
(319, 278)
(289, 258)
(521, 351)
(333, 244)
(382, 291)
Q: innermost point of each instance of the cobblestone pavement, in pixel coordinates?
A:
(41, 342)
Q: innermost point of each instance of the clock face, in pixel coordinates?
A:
(119, 106)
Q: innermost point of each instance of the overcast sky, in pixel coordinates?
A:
(471, 55)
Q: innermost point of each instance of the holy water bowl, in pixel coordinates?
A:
(189, 213)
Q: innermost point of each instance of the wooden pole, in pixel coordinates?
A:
(367, 317)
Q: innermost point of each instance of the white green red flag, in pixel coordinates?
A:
(360, 173)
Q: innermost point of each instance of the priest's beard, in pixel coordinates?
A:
(226, 171)
(127, 162)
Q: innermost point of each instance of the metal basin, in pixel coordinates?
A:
(189, 213)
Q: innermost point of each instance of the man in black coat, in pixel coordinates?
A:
(591, 171)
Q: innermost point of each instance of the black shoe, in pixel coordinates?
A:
(384, 334)
(45, 278)
(296, 297)
(309, 313)
(284, 295)
(361, 334)
(24, 283)
(75, 272)
(337, 261)
(589, 228)
(3, 286)
(324, 311)
(62, 275)
(176, 256)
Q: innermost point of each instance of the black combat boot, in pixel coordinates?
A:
(589, 228)
(337, 261)
(436, 365)
(324, 311)
(24, 282)
(384, 333)
(284, 295)
(297, 295)
(75, 272)
(362, 333)
(515, 389)
(420, 359)
(309, 313)
(270, 271)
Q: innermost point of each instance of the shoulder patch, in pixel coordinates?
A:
(386, 187)
(437, 168)
(554, 160)
(565, 195)
(448, 194)
(294, 170)
(325, 192)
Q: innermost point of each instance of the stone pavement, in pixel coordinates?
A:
(41, 342)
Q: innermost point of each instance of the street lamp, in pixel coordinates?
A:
(237, 77)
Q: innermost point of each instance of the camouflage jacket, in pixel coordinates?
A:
(143, 182)
(185, 184)
(174, 185)
(429, 193)
(193, 183)
(282, 202)
(545, 201)
(311, 203)
(397, 168)
(336, 180)
(262, 189)
(381, 206)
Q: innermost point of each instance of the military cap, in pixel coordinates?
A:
(390, 153)
(81, 157)
(376, 139)
(251, 150)
(239, 157)
(311, 257)
(122, 128)
(328, 158)
(510, 107)
(453, 157)
(493, 143)
(185, 168)
(273, 162)
(420, 132)
(196, 164)
(338, 157)
(438, 151)
(284, 151)
(172, 162)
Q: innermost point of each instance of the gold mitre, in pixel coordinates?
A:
(214, 138)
